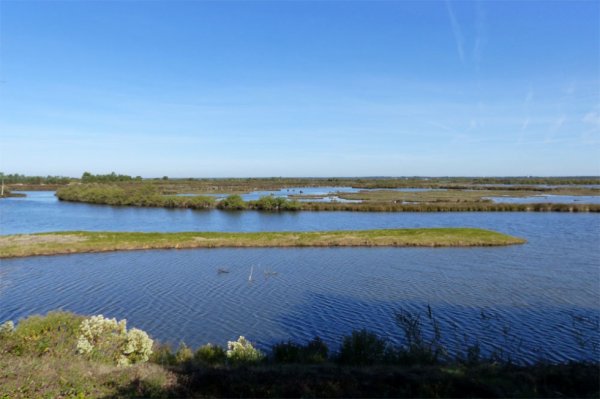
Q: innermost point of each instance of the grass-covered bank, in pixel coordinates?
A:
(447, 207)
(67, 355)
(20, 245)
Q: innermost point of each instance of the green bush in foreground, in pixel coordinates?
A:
(54, 334)
(315, 351)
(363, 348)
(211, 354)
(39, 358)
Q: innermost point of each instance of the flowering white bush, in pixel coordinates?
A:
(104, 338)
(138, 346)
(7, 327)
(242, 351)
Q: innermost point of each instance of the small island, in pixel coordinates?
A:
(70, 242)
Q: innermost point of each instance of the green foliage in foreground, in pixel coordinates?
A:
(39, 358)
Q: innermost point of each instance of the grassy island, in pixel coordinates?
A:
(68, 242)
(441, 199)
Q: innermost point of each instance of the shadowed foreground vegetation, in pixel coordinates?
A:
(42, 357)
(156, 195)
(82, 241)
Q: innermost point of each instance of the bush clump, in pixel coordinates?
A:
(7, 328)
(107, 339)
(362, 348)
(315, 351)
(273, 204)
(232, 202)
(184, 354)
(53, 334)
(210, 354)
(242, 352)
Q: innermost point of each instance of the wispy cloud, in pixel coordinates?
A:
(529, 97)
(441, 126)
(592, 118)
(480, 34)
(527, 120)
(456, 31)
(558, 123)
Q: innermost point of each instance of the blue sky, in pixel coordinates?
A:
(294, 88)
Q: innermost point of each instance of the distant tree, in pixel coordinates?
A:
(87, 177)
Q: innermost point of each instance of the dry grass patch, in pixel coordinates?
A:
(28, 239)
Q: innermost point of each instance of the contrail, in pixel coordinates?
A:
(457, 33)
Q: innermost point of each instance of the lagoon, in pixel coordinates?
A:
(545, 292)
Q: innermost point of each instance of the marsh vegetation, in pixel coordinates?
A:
(149, 194)
(40, 357)
(81, 241)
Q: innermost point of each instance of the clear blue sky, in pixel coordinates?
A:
(315, 88)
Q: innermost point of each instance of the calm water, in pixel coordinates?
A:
(541, 298)
(553, 199)
(328, 194)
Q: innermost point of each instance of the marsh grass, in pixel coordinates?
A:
(365, 365)
(85, 241)
(455, 196)
(156, 194)
(39, 359)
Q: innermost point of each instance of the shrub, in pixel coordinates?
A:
(289, 352)
(242, 352)
(184, 353)
(292, 205)
(419, 349)
(7, 328)
(272, 203)
(362, 348)
(210, 354)
(286, 352)
(233, 202)
(316, 351)
(56, 333)
(162, 354)
(109, 340)
(137, 347)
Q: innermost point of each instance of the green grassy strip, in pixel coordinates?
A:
(85, 241)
